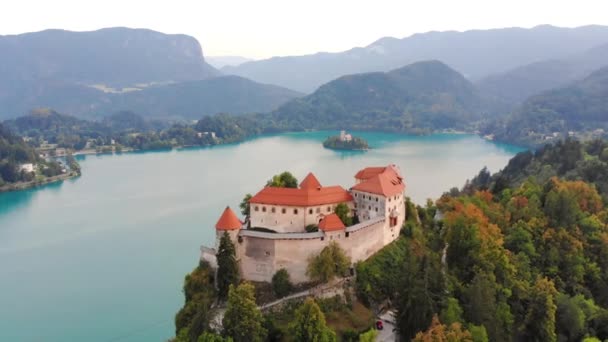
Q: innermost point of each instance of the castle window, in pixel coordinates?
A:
(322, 238)
(376, 209)
(283, 210)
(318, 210)
(273, 210)
(264, 209)
(328, 209)
(369, 207)
(356, 194)
(295, 211)
(347, 234)
(257, 208)
(389, 199)
(310, 211)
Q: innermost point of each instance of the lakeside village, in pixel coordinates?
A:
(52, 164)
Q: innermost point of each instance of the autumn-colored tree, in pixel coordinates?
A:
(438, 332)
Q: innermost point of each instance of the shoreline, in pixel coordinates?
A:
(34, 184)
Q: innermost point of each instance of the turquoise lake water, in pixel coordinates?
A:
(102, 257)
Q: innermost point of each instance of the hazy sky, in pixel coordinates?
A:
(265, 28)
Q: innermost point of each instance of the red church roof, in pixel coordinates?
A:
(228, 221)
(310, 193)
(331, 222)
(385, 181)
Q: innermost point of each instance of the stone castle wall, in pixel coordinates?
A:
(262, 254)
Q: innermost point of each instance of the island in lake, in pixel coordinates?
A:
(346, 141)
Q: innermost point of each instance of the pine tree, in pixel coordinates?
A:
(227, 272)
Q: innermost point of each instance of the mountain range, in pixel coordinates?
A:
(92, 74)
(516, 85)
(476, 54)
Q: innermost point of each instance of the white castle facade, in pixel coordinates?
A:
(275, 236)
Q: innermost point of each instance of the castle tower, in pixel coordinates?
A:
(230, 224)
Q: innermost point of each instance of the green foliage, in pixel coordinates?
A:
(330, 263)
(244, 205)
(311, 228)
(343, 213)
(243, 321)
(539, 324)
(193, 319)
(368, 336)
(283, 180)
(478, 333)
(281, 283)
(420, 294)
(452, 312)
(309, 324)
(228, 271)
(212, 337)
(335, 143)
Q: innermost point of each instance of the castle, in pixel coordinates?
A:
(275, 236)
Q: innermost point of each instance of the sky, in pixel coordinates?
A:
(265, 28)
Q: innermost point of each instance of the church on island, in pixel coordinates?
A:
(276, 237)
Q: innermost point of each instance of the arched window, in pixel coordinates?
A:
(310, 211)
(257, 208)
(273, 210)
(283, 211)
(295, 211)
(263, 209)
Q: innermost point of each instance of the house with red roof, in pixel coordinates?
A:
(275, 235)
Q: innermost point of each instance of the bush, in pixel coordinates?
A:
(311, 228)
(281, 284)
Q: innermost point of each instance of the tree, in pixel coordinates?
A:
(227, 267)
(438, 332)
(281, 284)
(194, 318)
(369, 336)
(309, 324)
(343, 213)
(244, 205)
(539, 322)
(331, 262)
(211, 337)
(283, 180)
(243, 321)
(420, 294)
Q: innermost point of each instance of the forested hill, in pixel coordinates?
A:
(13, 152)
(525, 260)
(420, 97)
(579, 108)
(569, 159)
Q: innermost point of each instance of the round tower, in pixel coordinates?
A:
(228, 223)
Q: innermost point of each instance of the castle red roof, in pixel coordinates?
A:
(369, 172)
(310, 193)
(228, 221)
(310, 182)
(331, 222)
(385, 181)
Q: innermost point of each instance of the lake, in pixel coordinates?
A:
(103, 257)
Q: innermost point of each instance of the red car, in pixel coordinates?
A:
(379, 325)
